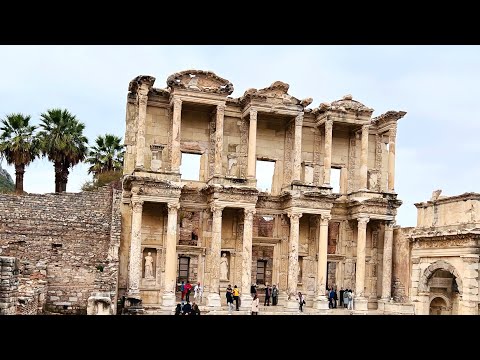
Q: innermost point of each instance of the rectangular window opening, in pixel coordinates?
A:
(335, 180)
(264, 173)
(190, 166)
(300, 269)
(261, 266)
(183, 269)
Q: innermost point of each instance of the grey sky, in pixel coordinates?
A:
(437, 141)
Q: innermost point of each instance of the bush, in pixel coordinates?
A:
(102, 179)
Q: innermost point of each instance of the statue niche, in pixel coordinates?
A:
(149, 263)
(224, 266)
(333, 230)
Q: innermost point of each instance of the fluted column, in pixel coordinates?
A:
(387, 261)
(297, 149)
(364, 158)
(327, 160)
(293, 259)
(135, 261)
(142, 115)
(392, 134)
(175, 155)
(252, 145)
(168, 298)
(246, 298)
(213, 298)
(219, 140)
(322, 301)
(360, 269)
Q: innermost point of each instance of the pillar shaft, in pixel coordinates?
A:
(327, 160)
(387, 261)
(297, 150)
(364, 158)
(175, 155)
(361, 243)
(135, 264)
(142, 116)
(391, 159)
(322, 256)
(171, 249)
(252, 145)
(293, 255)
(247, 258)
(216, 244)
(219, 140)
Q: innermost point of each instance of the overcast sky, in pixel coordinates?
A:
(437, 141)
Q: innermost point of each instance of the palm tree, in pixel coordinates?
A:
(62, 141)
(106, 155)
(18, 144)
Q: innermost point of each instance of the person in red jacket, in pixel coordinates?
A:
(188, 290)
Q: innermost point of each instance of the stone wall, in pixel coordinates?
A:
(64, 239)
(401, 264)
(8, 285)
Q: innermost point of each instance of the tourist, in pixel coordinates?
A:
(182, 289)
(195, 309)
(255, 304)
(178, 309)
(229, 296)
(345, 298)
(341, 296)
(253, 290)
(350, 300)
(335, 297)
(188, 289)
(236, 296)
(187, 309)
(198, 292)
(331, 295)
(268, 293)
(274, 295)
(301, 301)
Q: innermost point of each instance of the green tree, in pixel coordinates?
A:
(18, 145)
(106, 155)
(62, 141)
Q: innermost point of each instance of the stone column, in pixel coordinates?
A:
(321, 299)
(219, 140)
(292, 303)
(364, 158)
(327, 160)
(297, 148)
(387, 261)
(135, 261)
(245, 297)
(343, 180)
(360, 302)
(252, 145)
(392, 134)
(175, 155)
(142, 116)
(213, 298)
(168, 298)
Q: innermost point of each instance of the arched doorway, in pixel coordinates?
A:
(438, 306)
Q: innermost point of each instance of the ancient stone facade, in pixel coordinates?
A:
(291, 234)
(66, 249)
(444, 261)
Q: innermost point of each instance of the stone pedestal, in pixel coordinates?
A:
(321, 303)
(168, 301)
(360, 304)
(213, 301)
(292, 305)
(100, 304)
(245, 302)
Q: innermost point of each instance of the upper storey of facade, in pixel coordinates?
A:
(335, 148)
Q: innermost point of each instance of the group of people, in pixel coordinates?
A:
(187, 309)
(346, 298)
(186, 289)
(231, 295)
(270, 292)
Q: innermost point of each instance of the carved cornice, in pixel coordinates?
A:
(276, 93)
(140, 80)
(199, 80)
(389, 116)
(346, 104)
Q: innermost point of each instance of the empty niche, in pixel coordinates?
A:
(189, 227)
(263, 225)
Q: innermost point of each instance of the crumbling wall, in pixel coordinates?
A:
(8, 285)
(61, 238)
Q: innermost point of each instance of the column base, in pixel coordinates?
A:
(213, 301)
(246, 302)
(292, 305)
(360, 304)
(168, 301)
(321, 303)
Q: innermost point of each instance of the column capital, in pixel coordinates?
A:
(248, 213)
(177, 102)
(143, 90)
(328, 123)
(299, 120)
(216, 210)
(365, 128)
(221, 109)
(392, 133)
(137, 205)
(362, 221)
(173, 207)
(253, 114)
(324, 219)
(389, 225)
(294, 216)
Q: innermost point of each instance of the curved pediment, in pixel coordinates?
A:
(346, 104)
(199, 80)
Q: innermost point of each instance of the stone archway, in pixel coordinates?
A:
(440, 305)
(439, 265)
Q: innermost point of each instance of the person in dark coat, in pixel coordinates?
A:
(268, 293)
(253, 290)
(187, 309)
(341, 296)
(178, 309)
(274, 295)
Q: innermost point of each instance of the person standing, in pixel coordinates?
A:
(253, 290)
(350, 299)
(188, 289)
(197, 292)
(345, 298)
(341, 296)
(335, 297)
(229, 296)
(236, 296)
(274, 295)
(255, 304)
(182, 289)
(301, 301)
(268, 293)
